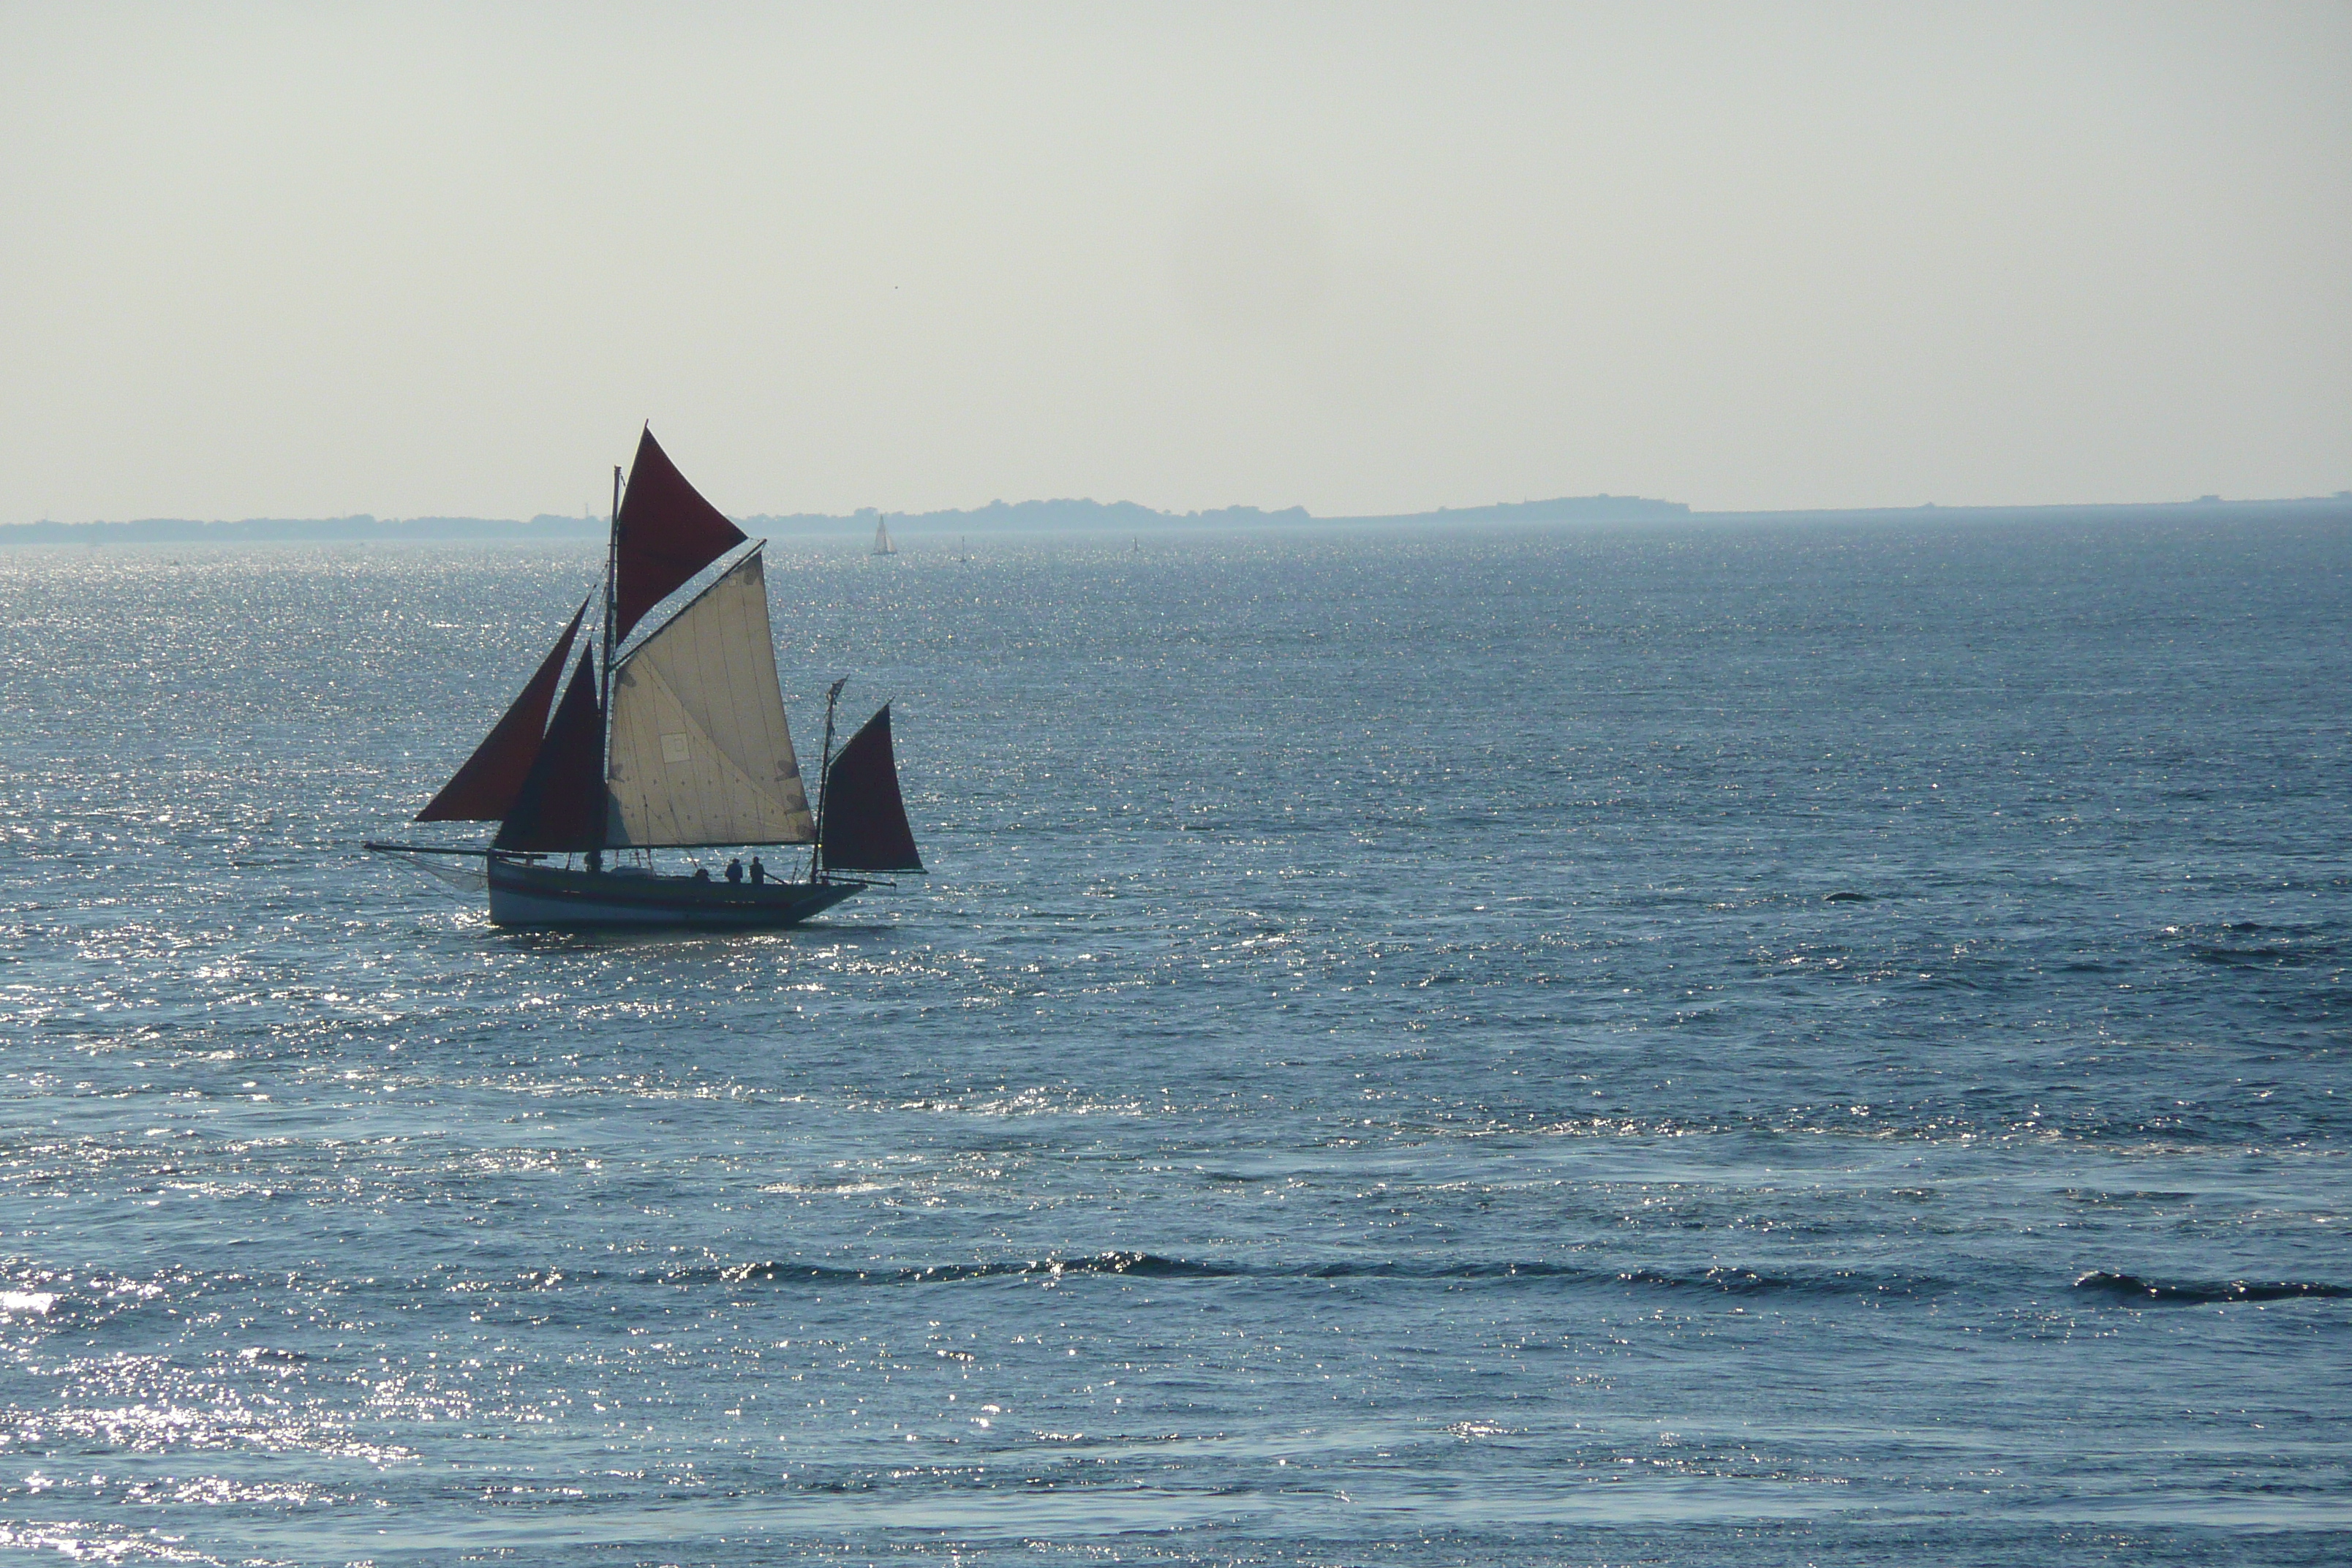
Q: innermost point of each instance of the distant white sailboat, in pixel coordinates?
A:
(882, 545)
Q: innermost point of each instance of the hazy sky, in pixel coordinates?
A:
(308, 260)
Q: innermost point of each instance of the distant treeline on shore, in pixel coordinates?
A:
(1091, 516)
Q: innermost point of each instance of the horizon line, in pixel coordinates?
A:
(1596, 509)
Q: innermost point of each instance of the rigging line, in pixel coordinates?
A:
(437, 849)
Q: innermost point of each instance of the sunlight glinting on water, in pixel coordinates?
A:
(1545, 1045)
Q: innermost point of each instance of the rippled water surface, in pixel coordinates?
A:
(1728, 1046)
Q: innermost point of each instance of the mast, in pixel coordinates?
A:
(612, 570)
(604, 678)
(816, 857)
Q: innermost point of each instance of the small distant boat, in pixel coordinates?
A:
(882, 545)
(674, 740)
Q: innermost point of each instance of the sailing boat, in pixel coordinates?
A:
(882, 545)
(671, 738)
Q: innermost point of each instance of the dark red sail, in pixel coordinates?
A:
(865, 826)
(484, 789)
(666, 533)
(561, 807)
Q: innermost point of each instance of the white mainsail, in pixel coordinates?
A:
(882, 545)
(700, 753)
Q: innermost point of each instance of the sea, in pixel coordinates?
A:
(1713, 1043)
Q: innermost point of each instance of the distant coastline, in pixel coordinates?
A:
(1092, 516)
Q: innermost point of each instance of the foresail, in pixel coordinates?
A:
(560, 808)
(484, 789)
(700, 752)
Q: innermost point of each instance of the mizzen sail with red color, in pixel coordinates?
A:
(865, 825)
(485, 788)
(665, 534)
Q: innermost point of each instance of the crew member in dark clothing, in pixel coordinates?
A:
(735, 869)
(759, 872)
(702, 873)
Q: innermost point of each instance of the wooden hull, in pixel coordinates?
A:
(528, 895)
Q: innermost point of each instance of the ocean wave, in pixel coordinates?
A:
(1721, 1280)
(2192, 1292)
(1141, 1265)
(2259, 944)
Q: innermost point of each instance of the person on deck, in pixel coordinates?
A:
(759, 872)
(702, 873)
(735, 869)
